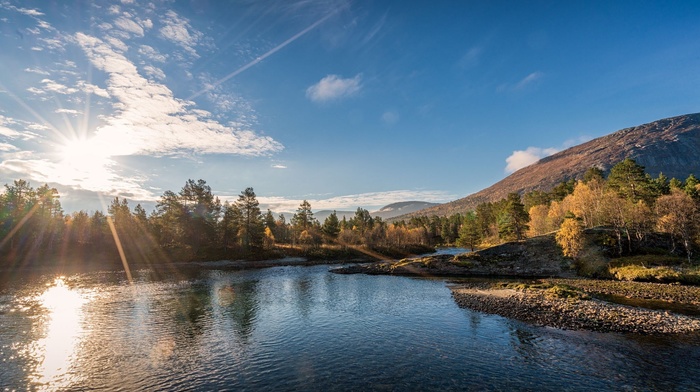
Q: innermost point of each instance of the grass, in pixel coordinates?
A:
(660, 274)
(647, 260)
(550, 290)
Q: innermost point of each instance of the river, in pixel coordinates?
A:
(302, 328)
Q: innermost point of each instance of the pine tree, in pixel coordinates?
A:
(331, 226)
(629, 181)
(512, 222)
(304, 217)
(469, 233)
(252, 229)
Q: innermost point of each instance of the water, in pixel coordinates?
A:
(302, 328)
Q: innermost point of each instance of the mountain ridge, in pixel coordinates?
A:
(670, 146)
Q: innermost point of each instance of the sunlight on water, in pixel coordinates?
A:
(63, 331)
(303, 328)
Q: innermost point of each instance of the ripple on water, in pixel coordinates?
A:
(294, 328)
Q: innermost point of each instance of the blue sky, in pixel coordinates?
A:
(344, 103)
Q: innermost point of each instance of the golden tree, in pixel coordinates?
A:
(570, 237)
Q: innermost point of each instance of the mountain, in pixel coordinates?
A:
(386, 212)
(323, 214)
(401, 208)
(670, 146)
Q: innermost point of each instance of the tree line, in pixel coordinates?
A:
(629, 202)
(190, 224)
(194, 224)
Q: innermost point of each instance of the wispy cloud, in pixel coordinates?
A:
(5, 147)
(55, 87)
(25, 11)
(334, 87)
(37, 71)
(471, 58)
(152, 54)
(179, 31)
(279, 166)
(266, 54)
(390, 117)
(92, 89)
(129, 25)
(68, 111)
(529, 80)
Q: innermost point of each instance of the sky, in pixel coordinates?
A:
(342, 103)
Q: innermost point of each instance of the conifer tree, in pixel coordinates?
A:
(331, 226)
(512, 222)
(252, 228)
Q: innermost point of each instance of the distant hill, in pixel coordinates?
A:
(401, 208)
(323, 214)
(670, 146)
(386, 212)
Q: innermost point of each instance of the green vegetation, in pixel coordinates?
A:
(660, 274)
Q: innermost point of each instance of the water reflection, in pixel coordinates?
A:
(63, 332)
(301, 328)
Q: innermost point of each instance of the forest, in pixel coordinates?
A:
(193, 224)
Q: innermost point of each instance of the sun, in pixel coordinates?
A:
(85, 163)
(83, 154)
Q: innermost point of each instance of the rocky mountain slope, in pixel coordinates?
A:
(670, 146)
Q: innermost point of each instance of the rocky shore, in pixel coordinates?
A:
(575, 304)
(536, 257)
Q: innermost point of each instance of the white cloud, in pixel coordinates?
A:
(95, 178)
(334, 87)
(37, 71)
(179, 31)
(30, 12)
(279, 166)
(6, 147)
(45, 25)
(36, 91)
(92, 89)
(365, 200)
(53, 43)
(117, 44)
(129, 25)
(68, 111)
(7, 132)
(150, 120)
(50, 85)
(522, 158)
(152, 54)
(528, 80)
(154, 72)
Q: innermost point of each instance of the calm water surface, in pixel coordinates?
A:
(302, 328)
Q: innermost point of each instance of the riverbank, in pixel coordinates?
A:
(536, 257)
(579, 304)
